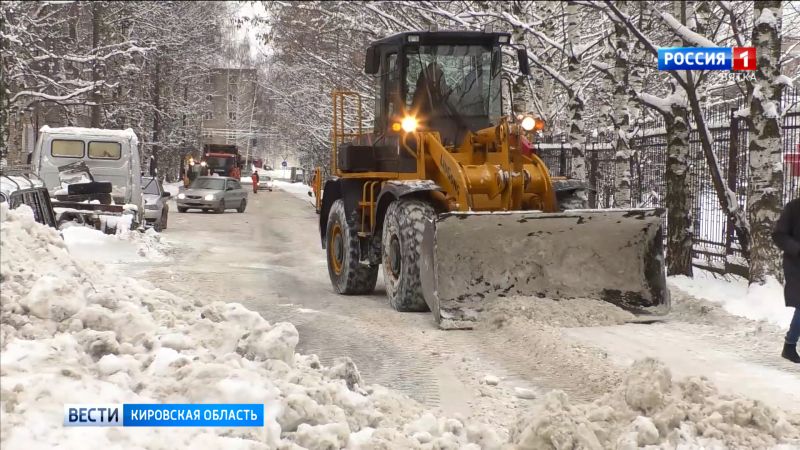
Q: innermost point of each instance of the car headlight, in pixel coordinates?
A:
(181, 196)
(209, 197)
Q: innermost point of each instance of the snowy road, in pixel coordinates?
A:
(270, 260)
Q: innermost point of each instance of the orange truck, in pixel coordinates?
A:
(221, 159)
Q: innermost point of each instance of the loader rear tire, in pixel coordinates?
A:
(400, 253)
(349, 276)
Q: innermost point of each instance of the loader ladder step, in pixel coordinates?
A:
(368, 206)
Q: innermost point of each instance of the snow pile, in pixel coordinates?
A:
(649, 409)
(125, 246)
(72, 331)
(576, 312)
(757, 302)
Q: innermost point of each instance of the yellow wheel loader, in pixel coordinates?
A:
(441, 196)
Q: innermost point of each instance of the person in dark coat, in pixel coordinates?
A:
(787, 238)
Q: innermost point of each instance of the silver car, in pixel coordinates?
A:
(213, 193)
(264, 183)
(156, 208)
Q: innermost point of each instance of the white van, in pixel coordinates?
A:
(111, 156)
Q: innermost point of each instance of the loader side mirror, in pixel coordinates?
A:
(372, 62)
(522, 56)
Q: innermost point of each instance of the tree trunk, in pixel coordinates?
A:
(156, 144)
(96, 96)
(765, 179)
(520, 91)
(577, 136)
(622, 156)
(678, 199)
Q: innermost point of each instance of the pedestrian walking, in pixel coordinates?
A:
(254, 177)
(787, 238)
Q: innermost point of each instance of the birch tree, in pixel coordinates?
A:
(678, 197)
(765, 179)
(621, 114)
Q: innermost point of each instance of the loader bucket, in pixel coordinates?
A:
(612, 255)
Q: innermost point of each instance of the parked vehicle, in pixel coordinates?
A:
(213, 193)
(298, 175)
(93, 175)
(264, 183)
(156, 206)
(18, 187)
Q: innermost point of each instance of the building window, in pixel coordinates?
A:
(208, 116)
(230, 97)
(209, 97)
(232, 115)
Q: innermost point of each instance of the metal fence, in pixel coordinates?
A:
(715, 243)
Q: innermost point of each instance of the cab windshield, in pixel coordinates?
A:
(460, 82)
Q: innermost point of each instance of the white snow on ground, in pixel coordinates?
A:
(125, 246)
(733, 293)
(298, 190)
(72, 331)
(649, 408)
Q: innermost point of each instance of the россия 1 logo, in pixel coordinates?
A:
(707, 58)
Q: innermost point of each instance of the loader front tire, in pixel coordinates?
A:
(400, 253)
(348, 274)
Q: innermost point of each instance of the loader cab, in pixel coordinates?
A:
(449, 81)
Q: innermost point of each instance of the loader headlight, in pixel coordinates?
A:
(181, 196)
(209, 197)
(529, 123)
(409, 124)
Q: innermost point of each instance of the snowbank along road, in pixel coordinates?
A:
(270, 260)
(538, 373)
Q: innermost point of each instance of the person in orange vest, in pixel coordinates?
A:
(254, 177)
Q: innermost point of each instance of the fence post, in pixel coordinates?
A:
(733, 174)
(593, 177)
